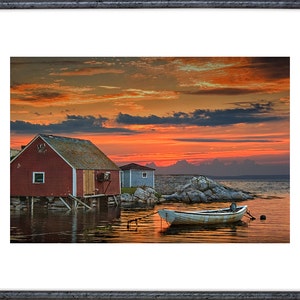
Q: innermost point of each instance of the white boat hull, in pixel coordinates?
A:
(203, 217)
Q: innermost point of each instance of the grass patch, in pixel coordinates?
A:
(128, 190)
(157, 195)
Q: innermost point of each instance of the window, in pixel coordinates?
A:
(144, 175)
(38, 177)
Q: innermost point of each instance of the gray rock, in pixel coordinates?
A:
(182, 188)
(208, 194)
(146, 195)
(150, 190)
(203, 189)
(196, 196)
(211, 183)
(141, 194)
(184, 197)
(200, 183)
(172, 197)
(126, 197)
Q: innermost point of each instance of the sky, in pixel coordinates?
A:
(158, 110)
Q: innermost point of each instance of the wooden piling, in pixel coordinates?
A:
(78, 200)
(65, 203)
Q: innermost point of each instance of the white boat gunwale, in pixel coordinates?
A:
(215, 216)
(221, 212)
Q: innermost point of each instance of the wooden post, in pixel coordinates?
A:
(116, 200)
(31, 206)
(81, 202)
(103, 203)
(65, 203)
(74, 227)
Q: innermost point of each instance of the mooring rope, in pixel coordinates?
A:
(249, 214)
(140, 218)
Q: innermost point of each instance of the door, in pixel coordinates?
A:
(88, 182)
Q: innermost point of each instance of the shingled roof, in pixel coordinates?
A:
(134, 166)
(80, 154)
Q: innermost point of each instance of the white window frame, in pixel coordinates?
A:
(34, 179)
(144, 175)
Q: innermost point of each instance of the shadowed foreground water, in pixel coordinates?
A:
(109, 225)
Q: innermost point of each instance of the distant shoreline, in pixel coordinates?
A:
(246, 177)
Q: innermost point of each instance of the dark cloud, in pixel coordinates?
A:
(51, 61)
(266, 69)
(32, 95)
(222, 91)
(272, 68)
(199, 140)
(46, 95)
(254, 113)
(73, 123)
(27, 127)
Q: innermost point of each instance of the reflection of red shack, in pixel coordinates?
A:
(55, 166)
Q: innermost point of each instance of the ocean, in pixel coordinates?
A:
(110, 225)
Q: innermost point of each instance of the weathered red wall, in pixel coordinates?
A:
(79, 179)
(58, 174)
(111, 187)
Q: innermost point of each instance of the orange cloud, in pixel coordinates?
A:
(235, 73)
(61, 95)
(87, 72)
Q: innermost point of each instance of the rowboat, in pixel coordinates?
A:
(204, 217)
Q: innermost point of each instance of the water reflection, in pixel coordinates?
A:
(38, 224)
(196, 228)
(110, 225)
(221, 232)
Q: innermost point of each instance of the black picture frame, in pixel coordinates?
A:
(81, 4)
(126, 4)
(137, 295)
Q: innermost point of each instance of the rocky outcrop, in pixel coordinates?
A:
(203, 189)
(145, 196)
(198, 190)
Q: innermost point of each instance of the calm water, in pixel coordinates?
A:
(109, 224)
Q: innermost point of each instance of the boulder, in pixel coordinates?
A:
(208, 194)
(172, 197)
(182, 188)
(126, 197)
(146, 195)
(196, 196)
(142, 196)
(199, 183)
(150, 190)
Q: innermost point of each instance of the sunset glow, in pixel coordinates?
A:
(157, 110)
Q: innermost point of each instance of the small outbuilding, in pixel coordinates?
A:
(56, 166)
(134, 175)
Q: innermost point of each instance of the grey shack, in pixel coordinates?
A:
(134, 175)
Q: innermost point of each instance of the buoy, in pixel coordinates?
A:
(263, 217)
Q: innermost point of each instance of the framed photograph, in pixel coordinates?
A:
(243, 64)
